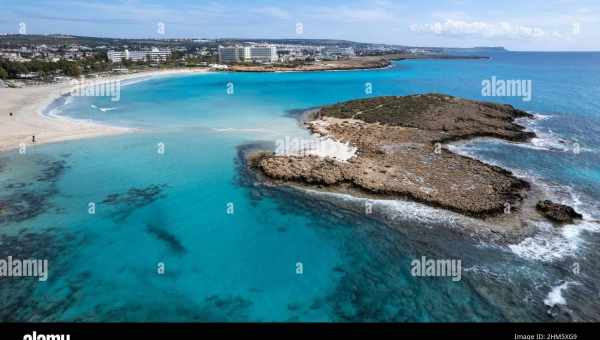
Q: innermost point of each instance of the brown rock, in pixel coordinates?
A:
(557, 212)
(399, 155)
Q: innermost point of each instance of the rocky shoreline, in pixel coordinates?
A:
(356, 63)
(401, 156)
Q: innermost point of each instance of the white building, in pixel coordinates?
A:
(218, 66)
(257, 53)
(261, 54)
(154, 55)
(335, 53)
(230, 54)
(12, 56)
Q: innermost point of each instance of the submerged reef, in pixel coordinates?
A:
(164, 235)
(133, 199)
(136, 196)
(30, 197)
(18, 295)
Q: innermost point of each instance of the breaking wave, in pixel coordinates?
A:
(551, 243)
(555, 296)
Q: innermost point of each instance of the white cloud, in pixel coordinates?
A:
(480, 28)
(353, 15)
(275, 12)
(373, 11)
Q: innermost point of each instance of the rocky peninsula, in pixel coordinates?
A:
(355, 63)
(401, 154)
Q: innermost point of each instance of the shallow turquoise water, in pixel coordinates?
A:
(242, 266)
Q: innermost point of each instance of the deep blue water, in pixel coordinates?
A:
(241, 266)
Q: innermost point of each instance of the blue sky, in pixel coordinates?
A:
(515, 24)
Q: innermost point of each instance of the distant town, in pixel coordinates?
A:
(51, 58)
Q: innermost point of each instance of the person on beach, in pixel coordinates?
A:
(10, 114)
(33, 139)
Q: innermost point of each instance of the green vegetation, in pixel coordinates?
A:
(48, 69)
(456, 118)
(3, 73)
(387, 110)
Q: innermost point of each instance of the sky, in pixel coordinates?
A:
(541, 25)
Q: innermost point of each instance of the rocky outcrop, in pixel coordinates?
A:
(354, 63)
(439, 118)
(400, 153)
(558, 212)
(329, 65)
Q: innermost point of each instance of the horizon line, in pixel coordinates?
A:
(295, 38)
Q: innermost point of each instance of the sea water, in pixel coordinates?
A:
(162, 225)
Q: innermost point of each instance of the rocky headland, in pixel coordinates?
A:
(401, 154)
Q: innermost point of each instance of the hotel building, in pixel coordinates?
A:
(154, 55)
(257, 53)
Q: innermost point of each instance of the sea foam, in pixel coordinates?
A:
(555, 296)
(550, 243)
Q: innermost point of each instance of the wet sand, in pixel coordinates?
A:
(28, 103)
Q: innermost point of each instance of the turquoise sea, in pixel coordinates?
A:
(231, 252)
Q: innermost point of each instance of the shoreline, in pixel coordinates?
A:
(29, 116)
(29, 104)
(353, 64)
(396, 160)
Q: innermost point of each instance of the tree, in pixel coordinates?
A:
(14, 68)
(3, 73)
(71, 69)
(75, 71)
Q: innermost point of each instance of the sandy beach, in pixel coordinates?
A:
(28, 103)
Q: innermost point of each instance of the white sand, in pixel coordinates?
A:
(27, 105)
(330, 148)
(323, 147)
(327, 147)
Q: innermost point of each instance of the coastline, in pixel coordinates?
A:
(27, 104)
(508, 275)
(395, 161)
(353, 64)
